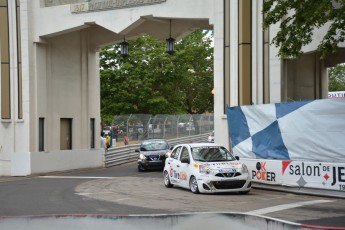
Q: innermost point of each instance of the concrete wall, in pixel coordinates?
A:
(24, 164)
(60, 71)
(152, 222)
(303, 78)
(219, 117)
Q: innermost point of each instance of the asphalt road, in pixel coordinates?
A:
(123, 190)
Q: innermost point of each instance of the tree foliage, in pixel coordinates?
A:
(150, 81)
(337, 78)
(299, 18)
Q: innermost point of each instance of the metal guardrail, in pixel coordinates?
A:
(125, 154)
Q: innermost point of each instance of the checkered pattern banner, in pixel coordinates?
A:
(304, 130)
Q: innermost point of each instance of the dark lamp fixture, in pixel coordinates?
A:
(124, 48)
(170, 43)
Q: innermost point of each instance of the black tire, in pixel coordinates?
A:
(244, 192)
(193, 185)
(167, 182)
(140, 169)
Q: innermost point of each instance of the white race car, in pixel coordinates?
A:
(205, 168)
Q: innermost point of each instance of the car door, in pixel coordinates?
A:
(183, 167)
(172, 164)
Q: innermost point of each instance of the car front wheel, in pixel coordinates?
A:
(167, 182)
(140, 169)
(193, 185)
(244, 192)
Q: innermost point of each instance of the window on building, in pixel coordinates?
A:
(65, 133)
(92, 133)
(41, 134)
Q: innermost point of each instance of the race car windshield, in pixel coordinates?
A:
(211, 154)
(154, 146)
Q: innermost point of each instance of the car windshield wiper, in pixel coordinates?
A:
(200, 160)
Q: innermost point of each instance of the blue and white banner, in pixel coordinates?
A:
(303, 131)
(336, 94)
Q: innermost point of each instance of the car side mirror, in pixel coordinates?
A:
(185, 160)
(237, 158)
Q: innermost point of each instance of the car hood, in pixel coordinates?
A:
(157, 152)
(221, 165)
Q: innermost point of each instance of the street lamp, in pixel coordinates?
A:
(170, 43)
(124, 48)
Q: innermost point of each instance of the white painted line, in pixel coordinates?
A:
(122, 199)
(92, 193)
(97, 193)
(77, 177)
(286, 206)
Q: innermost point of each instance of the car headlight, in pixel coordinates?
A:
(204, 169)
(142, 156)
(244, 168)
(168, 154)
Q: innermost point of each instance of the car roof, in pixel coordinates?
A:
(201, 144)
(156, 139)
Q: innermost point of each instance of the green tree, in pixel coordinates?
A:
(195, 61)
(299, 18)
(150, 81)
(337, 78)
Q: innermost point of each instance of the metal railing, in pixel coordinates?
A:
(126, 154)
(139, 127)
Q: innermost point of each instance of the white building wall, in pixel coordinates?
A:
(257, 56)
(14, 132)
(219, 118)
(234, 53)
(61, 77)
(275, 69)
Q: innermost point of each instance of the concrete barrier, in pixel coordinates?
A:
(150, 222)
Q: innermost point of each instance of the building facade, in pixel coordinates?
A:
(50, 85)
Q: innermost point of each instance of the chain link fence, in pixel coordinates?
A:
(145, 126)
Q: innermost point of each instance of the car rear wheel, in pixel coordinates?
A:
(193, 185)
(167, 182)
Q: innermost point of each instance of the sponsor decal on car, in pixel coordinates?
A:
(154, 157)
(227, 170)
(183, 176)
(226, 163)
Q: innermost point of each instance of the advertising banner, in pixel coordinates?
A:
(264, 171)
(320, 175)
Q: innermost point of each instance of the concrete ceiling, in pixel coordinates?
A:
(160, 27)
(156, 27)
